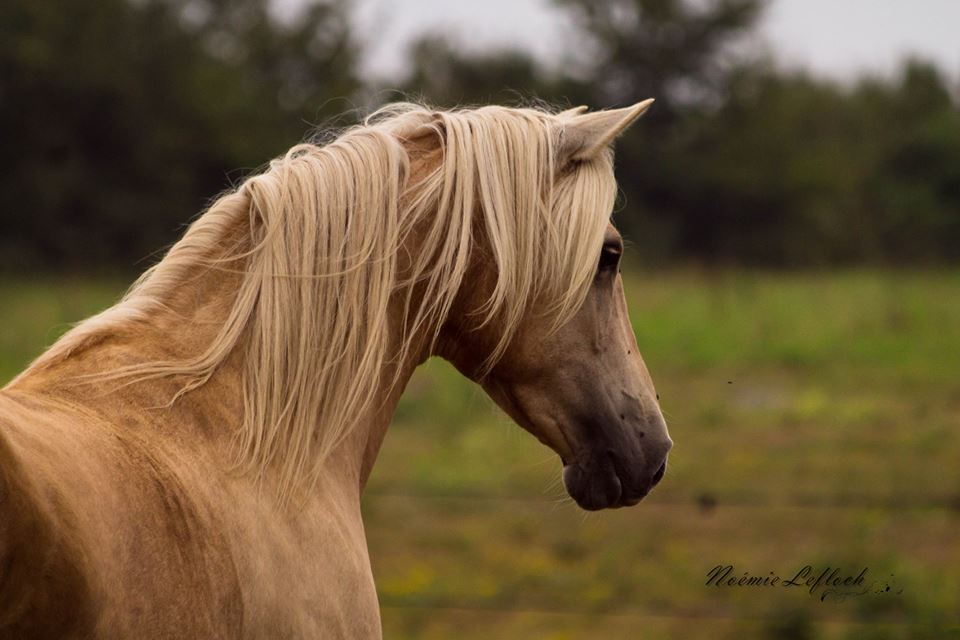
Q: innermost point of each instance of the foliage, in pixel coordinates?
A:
(121, 118)
(740, 161)
(797, 171)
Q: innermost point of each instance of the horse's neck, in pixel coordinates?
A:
(182, 326)
(177, 327)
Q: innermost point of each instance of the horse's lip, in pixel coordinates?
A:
(583, 484)
(628, 493)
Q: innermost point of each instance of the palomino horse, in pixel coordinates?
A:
(189, 463)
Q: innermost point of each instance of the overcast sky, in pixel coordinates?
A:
(836, 37)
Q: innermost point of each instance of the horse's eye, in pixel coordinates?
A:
(609, 257)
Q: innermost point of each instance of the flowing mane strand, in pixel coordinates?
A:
(320, 254)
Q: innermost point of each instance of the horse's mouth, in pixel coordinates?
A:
(603, 483)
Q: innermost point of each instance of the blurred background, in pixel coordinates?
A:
(792, 208)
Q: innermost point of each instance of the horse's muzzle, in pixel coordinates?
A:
(604, 480)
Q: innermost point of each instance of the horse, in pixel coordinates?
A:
(189, 463)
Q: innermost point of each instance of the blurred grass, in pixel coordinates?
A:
(816, 422)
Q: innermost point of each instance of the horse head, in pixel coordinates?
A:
(577, 383)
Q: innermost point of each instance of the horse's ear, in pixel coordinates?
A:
(585, 135)
(573, 111)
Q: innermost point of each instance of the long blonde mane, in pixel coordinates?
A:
(321, 259)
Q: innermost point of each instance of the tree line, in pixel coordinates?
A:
(121, 119)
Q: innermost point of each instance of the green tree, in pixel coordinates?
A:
(121, 118)
(680, 52)
(674, 50)
(795, 170)
(914, 192)
(626, 50)
(444, 76)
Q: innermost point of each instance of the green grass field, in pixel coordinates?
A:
(816, 420)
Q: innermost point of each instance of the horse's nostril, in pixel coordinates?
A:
(658, 476)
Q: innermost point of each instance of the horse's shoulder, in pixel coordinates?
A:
(44, 583)
(96, 498)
